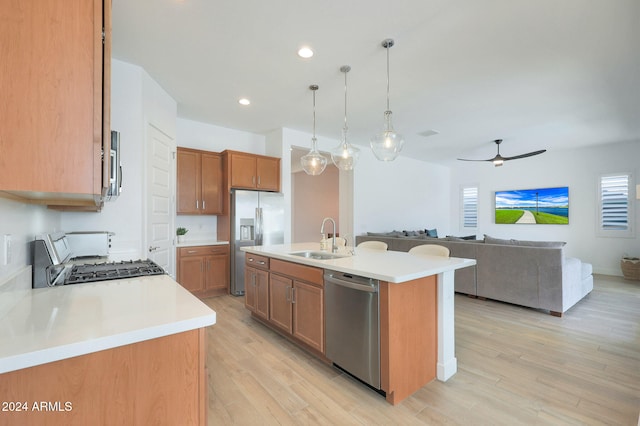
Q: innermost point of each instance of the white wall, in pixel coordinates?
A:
(136, 99)
(23, 222)
(403, 194)
(314, 198)
(577, 169)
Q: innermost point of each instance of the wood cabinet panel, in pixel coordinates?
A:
(250, 289)
(408, 332)
(280, 313)
(211, 186)
(302, 272)
(308, 314)
(157, 381)
(55, 119)
(268, 173)
(191, 275)
(204, 270)
(262, 293)
(188, 182)
(243, 171)
(199, 182)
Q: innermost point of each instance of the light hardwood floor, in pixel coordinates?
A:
(515, 366)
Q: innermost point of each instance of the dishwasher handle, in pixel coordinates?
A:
(350, 284)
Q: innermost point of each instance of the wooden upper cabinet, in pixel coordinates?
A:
(268, 171)
(211, 186)
(55, 110)
(188, 181)
(250, 171)
(199, 182)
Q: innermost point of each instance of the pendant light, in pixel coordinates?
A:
(387, 145)
(345, 155)
(314, 163)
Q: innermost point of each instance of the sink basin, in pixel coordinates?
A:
(317, 255)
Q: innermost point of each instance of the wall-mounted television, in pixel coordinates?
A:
(547, 206)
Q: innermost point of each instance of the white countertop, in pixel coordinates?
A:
(50, 324)
(193, 243)
(391, 266)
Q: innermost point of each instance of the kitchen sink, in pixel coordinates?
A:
(317, 255)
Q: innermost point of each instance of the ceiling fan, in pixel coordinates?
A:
(498, 160)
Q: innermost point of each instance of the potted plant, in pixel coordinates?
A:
(181, 232)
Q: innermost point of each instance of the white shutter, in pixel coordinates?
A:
(614, 202)
(470, 207)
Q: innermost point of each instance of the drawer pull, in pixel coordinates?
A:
(262, 262)
(192, 251)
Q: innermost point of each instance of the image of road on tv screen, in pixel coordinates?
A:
(548, 206)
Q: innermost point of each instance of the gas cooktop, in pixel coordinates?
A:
(112, 270)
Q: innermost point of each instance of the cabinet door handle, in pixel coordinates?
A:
(197, 205)
(293, 295)
(203, 205)
(258, 180)
(208, 265)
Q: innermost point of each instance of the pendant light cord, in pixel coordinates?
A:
(345, 69)
(388, 47)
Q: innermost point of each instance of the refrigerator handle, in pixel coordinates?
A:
(259, 224)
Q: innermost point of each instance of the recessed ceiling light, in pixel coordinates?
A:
(305, 52)
(244, 101)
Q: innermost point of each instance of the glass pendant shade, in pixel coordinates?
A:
(387, 145)
(313, 163)
(345, 156)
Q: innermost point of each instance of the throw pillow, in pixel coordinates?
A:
(432, 232)
(490, 240)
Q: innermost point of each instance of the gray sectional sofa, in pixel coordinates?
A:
(535, 274)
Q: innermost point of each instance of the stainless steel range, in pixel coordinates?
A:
(53, 265)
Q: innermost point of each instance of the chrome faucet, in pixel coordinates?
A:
(334, 247)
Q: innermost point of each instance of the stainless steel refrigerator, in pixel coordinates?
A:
(257, 218)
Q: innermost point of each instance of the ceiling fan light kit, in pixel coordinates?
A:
(499, 160)
(313, 163)
(387, 145)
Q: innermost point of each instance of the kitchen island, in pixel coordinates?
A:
(127, 351)
(417, 341)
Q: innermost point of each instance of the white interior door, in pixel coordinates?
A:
(160, 198)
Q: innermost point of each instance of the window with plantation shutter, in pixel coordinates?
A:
(614, 207)
(469, 206)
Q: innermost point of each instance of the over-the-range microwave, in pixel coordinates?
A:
(115, 174)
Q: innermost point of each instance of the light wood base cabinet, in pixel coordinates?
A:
(204, 270)
(256, 291)
(154, 382)
(296, 301)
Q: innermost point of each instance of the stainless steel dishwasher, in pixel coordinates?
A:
(352, 321)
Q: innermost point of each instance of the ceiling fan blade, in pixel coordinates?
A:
(529, 154)
(466, 159)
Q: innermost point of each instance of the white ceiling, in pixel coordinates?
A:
(540, 74)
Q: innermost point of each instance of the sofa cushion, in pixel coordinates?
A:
(490, 240)
(385, 234)
(524, 243)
